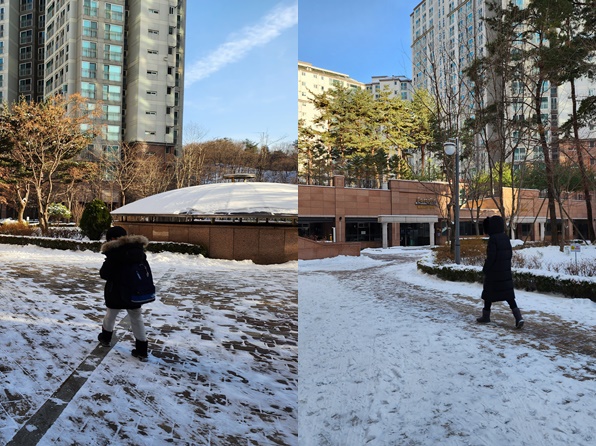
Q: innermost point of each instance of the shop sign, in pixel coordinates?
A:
(422, 201)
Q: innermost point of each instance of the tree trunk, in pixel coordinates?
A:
(548, 163)
(582, 166)
(22, 200)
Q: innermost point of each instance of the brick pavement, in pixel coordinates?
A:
(223, 366)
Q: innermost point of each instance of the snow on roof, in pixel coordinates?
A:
(219, 199)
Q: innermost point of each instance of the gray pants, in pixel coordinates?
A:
(136, 322)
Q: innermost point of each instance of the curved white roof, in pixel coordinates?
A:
(219, 199)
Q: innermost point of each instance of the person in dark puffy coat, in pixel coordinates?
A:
(120, 249)
(498, 279)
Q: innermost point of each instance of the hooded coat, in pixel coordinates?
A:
(498, 279)
(118, 252)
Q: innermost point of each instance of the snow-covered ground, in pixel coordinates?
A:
(223, 352)
(391, 356)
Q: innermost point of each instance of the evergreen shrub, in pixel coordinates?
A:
(96, 219)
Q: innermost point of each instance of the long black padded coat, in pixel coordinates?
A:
(498, 280)
(126, 249)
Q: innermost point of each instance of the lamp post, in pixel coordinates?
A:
(450, 149)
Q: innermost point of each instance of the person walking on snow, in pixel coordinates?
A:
(119, 250)
(498, 279)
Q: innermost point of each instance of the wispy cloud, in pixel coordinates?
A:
(268, 28)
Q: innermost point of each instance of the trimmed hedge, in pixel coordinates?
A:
(575, 288)
(80, 245)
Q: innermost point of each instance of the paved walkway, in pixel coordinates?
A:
(222, 369)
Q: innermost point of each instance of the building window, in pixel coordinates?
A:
(113, 52)
(111, 133)
(151, 74)
(113, 32)
(89, 28)
(24, 85)
(153, 11)
(149, 132)
(111, 93)
(111, 112)
(114, 12)
(112, 72)
(25, 53)
(25, 69)
(26, 37)
(26, 20)
(26, 5)
(152, 52)
(90, 8)
(88, 69)
(151, 113)
(151, 93)
(153, 33)
(89, 49)
(88, 90)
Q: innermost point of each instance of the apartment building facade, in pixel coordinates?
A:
(447, 36)
(126, 57)
(314, 80)
(397, 86)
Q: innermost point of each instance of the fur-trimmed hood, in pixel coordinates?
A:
(125, 240)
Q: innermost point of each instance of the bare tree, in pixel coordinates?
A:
(42, 137)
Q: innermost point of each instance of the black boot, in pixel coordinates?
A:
(519, 320)
(140, 350)
(485, 317)
(105, 337)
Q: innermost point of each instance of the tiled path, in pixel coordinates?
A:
(222, 370)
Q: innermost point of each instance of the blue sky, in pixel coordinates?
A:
(361, 39)
(241, 70)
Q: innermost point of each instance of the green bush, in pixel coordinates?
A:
(96, 219)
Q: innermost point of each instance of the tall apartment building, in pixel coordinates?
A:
(314, 80)
(126, 56)
(447, 35)
(397, 86)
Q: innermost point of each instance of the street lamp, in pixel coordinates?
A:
(450, 149)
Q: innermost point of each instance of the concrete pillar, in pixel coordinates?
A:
(431, 231)
(542, 231)
(394, 234)
(385, 240)
(339, 229)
